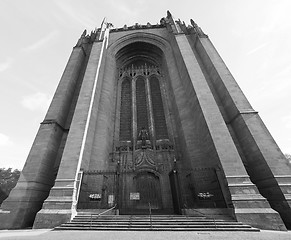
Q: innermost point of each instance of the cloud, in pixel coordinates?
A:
(123, 9)
(41, 42)
(4, 140)
(257, 48)
(23, 82)
(83, 19)
(36, 102)
(277, 17)
(129, 11)
(287, 121)
(6, 64)
(285, 72)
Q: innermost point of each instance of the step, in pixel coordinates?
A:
(138, 217)
(155, 229)
(153, 220)
(153, 223)
(156, 226)
(145, 219)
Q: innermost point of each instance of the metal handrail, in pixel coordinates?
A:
(105, 211)
(204, 215)
(150, 210)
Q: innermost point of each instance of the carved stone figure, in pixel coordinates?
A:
(143, 136)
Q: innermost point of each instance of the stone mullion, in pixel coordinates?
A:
(134, 114)
(150, 112)
(166, 108)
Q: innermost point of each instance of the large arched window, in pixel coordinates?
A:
(141, 104)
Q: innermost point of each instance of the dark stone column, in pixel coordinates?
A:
(239, 191)
(264, 161)
(37, 176)
(60, 206)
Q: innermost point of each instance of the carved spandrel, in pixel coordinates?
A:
(143, 70)
(145, 158)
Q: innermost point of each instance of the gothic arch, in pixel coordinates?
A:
(155, 40)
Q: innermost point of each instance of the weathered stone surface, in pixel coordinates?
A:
(63, 194)
(199, 124)
(261, 155)
(37, 176)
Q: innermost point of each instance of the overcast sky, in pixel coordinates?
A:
(37, 36)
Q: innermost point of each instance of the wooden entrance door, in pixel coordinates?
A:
(148, 186)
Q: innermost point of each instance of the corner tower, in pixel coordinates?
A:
(150, 114)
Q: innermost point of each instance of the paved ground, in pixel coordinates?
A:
(133, 235)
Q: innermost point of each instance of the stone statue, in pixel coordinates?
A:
(109, 25)
(143, 136)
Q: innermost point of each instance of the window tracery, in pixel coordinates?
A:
(147, 106)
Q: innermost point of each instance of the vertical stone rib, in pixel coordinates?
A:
(240, 112)
(150, 111)
(228, 156)
(141, 105)
(63, 194)
(263, 156)
(134, 117)
(230, 159)
(61, 102)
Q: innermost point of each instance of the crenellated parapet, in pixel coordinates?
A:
(95, 35)
(137, 26)
(87, 38)
(179, 27)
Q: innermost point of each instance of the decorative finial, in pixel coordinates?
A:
(192, 22)
(103, 22)
(197, 29)
(109, 25)
(84, 33)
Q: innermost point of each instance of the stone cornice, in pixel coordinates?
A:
(53, 121)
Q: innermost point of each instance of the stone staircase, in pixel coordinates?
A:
(86, 221)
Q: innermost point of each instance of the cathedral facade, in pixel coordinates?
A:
(149, 115)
